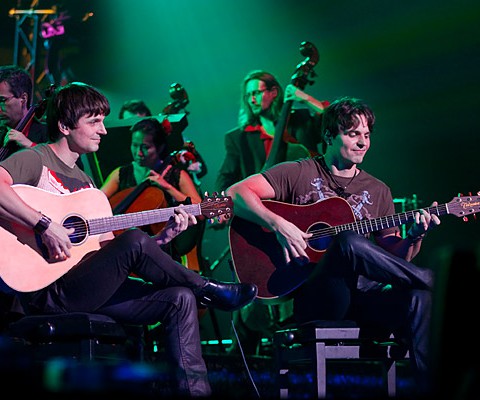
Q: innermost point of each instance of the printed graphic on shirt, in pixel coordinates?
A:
(323, 191)
(56, 182)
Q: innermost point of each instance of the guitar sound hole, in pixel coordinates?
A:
(80, 226)
(316, 242)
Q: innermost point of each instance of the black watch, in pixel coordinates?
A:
(42, 225)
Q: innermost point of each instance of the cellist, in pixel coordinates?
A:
(16, 90)
(163, 182)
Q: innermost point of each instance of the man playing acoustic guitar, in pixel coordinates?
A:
(99, 280)
(374, 284)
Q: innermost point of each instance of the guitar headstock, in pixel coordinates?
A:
(217, 206)
(462, 206)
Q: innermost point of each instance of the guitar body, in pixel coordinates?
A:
(258, 257)
(23, 266)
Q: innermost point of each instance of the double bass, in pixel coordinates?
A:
(281, 149)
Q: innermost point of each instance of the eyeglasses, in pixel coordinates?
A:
(3, 100)
(255, 93)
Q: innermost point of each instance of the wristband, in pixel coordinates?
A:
(42, 225)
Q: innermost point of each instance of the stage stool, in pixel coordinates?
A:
(81, 336)
(315, 345)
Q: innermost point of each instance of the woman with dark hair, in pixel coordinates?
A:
(151, 161)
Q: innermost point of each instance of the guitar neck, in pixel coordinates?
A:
(124, 221)
(389, 221)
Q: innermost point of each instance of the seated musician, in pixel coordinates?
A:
(152, 163)
(16, 89)
(373, 281)
(54, 277)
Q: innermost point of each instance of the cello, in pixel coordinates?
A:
(282, 150)
(144, 196)
(148, 196)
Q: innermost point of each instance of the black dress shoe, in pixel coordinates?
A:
(227, 296)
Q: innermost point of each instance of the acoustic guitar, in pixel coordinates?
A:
(258, 257)
(24, 264)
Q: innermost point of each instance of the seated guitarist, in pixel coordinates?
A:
(374, 284)
(101, 283)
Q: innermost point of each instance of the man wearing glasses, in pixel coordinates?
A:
(248, 146)
(16, 90)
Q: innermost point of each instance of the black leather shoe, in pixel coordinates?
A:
(227, 296)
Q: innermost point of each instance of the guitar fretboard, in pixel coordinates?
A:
(389, 221)
(124, 221)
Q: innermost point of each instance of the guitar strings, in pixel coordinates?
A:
(83, 227)
(366, 226)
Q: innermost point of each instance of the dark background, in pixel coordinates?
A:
(416, 63)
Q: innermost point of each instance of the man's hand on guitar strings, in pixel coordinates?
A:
(293, 241)
(57, 241)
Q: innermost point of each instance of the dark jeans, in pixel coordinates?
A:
(345, 285)
(103, 284)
